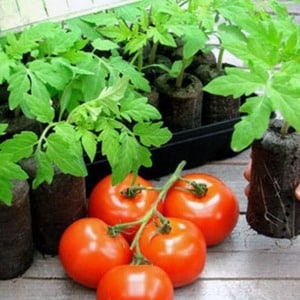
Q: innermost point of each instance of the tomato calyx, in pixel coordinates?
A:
(132, 191)
(163, 224)
(198, 189)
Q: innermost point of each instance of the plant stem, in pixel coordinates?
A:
(173, 178)
(179, 79)
(285, 128)
(220, 59)
(146, 218)
(153, 52)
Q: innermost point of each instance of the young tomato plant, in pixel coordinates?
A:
(175, 245)
(268, 45)
(207, 202)
(82, 103)
(124, 202)
(130, 282)
(87, 251)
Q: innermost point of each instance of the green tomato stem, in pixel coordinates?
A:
(146, 218)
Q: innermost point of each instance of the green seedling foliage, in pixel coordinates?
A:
(269, 47)
(84, 103)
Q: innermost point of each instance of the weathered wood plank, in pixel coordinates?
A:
(244, 254)
(240, 289)
(56, 289)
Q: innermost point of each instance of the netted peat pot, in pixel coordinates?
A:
(272, 208)
(181, 108)
(54, 207)
(16, 246)
(216, 108)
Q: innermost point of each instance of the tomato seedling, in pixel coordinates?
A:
(87, 251)
(207, 202)
(128, 282)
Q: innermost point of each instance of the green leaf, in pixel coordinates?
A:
(20, 145)
(109, 138)
(9, 171)
(38, 88)
(54, 74)
(129, 71)
(104, 45)
(63, 150)
(89, 143)
(19, 84)
(238, 84)
(151, 134)
(3, 127)
(130, 156)
(194, 40)
(6, 191)
(40, 108)
(92, 85)
(288, 106)
(138, 109)
(45, 170)
(5, 64)
(254, 124)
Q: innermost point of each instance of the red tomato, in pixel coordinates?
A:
(181, 252)
(135, 282)
(87, 251)
(109, 203)
(216, 213)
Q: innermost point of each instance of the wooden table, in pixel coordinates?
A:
(245, 266)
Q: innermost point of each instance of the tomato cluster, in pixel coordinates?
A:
(141, 242)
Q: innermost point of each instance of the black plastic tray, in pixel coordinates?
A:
(196, 146)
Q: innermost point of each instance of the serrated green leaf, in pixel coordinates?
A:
(288, 106)
(63, 154)
(38, 88)
(152, 134)
(129, 71)
(240, 140)
(233, 84)
(254, 124)
(20, 146)
(138, 109)
(19, 84)
(162, 36)
(5, 64)
(104, 45)
(40, 108)
(6, 191)
(130, 156)
(10, 170)
(53, 74)
(109, 138)
(45, 171)
(92, 85)
(89, 143)
(136, 44)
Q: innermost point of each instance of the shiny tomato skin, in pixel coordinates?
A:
(87, 251)
(135, 282)
(215, 214)
(109, 204)
(181, 253)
